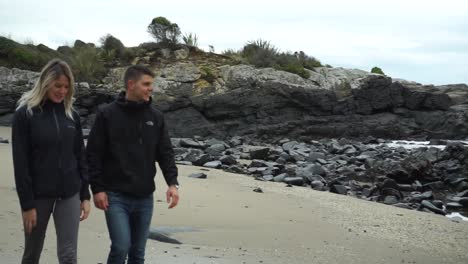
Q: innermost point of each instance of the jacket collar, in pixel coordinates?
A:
(132, 105)
(48, 104)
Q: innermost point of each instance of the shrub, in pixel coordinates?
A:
(377, 70)
(231, 53)
(190, 39)
(87, 65)
(307, 61)
(260, 53)
(110, 43)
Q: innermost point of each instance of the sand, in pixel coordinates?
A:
(229, 223)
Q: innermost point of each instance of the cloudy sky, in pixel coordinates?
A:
(423, 41)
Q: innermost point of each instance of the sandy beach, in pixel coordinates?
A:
(224, 221)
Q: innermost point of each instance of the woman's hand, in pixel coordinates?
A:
(29, 220)
(85, 208)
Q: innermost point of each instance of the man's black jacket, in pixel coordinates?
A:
(125, 142)
(48, 155)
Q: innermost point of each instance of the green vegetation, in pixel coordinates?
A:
(89, 62)
(87, 65)
(29, 57)
(262, 54)
(377, 70)
(164, 31)
(190, 39)
(208, 74)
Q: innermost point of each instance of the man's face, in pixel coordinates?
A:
(142, 89)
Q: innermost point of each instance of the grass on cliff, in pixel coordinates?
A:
(262, 54)
(90, 63)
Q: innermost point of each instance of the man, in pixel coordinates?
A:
(128, 137)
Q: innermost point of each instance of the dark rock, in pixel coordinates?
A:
(339, 189)
(268, 177)
(199, 175)
(317, 185)
(197, 157)
(235, 141)
(213, 164)
(245, 156)
(215, 149)
(280, 177)
(389, 183)
(281, 161)
(462, 186)
(213, 141)
(162, 236)
(296, 156)
(290, 145)
(258, 190)
(190, 143)
(259, 153)
(391, 199)
(298, 181)
(427, 204)
(258, 163)
(322, 161)
(310, 170)
(438, 203)
(420, 197)
(403, 205)
(406, 187)
(463, 194)
(314, 156)
(391, 192)
(454, 205)
(228, 160)
(236, 169)
(463, 201)
(285, 156)
(417, 186)
(438, 185)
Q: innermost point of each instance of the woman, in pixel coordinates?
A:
(49, 163)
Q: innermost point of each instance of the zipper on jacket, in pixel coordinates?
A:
(58, 137)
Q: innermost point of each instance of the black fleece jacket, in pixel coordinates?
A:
(125, 142)
(49, 156)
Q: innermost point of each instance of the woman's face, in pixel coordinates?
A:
(58, 89)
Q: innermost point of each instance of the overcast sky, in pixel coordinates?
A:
(423, 41)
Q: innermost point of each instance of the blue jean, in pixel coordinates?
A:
(128, 221)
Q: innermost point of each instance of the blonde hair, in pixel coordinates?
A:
(37, 95)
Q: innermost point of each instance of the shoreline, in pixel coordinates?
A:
(234, 224)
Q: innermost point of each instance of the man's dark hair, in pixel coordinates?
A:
(135, 72)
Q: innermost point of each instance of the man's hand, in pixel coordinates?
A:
(172, 196)
(29, 220)
(85, 208)
(100, 201)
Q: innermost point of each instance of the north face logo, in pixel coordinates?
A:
(149, 123)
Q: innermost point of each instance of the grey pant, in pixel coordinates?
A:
(66, 218)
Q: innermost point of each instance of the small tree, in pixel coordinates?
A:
(164, 31)
(377, 70)
(110, 43)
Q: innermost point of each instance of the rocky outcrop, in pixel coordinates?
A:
(223, 100)
(429, 178)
